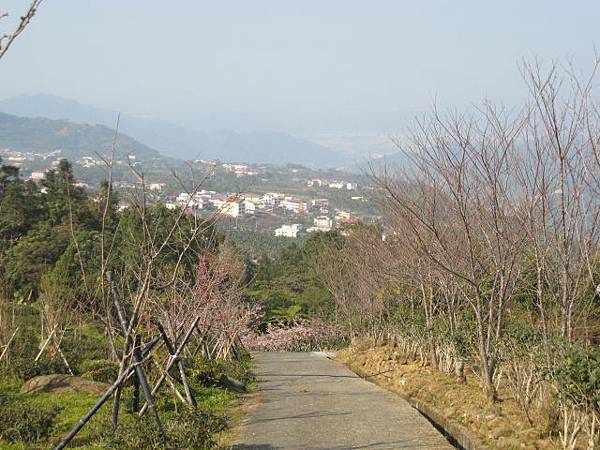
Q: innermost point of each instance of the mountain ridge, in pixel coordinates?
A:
(74, 140)
(176, 141)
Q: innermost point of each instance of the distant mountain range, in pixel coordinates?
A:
(177, 141)
(74, 140)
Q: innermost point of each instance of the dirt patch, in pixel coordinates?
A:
(501, 425)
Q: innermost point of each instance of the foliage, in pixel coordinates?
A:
(209, 371)
(23, 421)
(288, 287)
(577, 376)
(99, 370)
(300, 336)
(187, 428)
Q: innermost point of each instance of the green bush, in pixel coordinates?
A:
(79, 347)
(22, 354)
(209, 372)
(99, 370)
(189, 428)
(577, 376)
(23, 421)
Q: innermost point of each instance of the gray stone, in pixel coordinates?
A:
(232, 384)
(63, 384)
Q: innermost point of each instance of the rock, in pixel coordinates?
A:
(63, 384)
(232, 384)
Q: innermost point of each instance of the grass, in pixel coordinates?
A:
(213, 399)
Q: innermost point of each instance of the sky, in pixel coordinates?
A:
(313, 67)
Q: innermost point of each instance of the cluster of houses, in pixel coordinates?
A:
(320, 223)
(332, 184)
(239, 170)
(238, 205)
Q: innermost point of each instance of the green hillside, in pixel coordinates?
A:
(74, 140)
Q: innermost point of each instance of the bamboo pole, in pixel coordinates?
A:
(136, 356)
(188, 392)
(172, 361)
(168, 379)
(5, 350)
(46, 342)
(122, 377)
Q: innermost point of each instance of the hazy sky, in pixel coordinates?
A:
(306, 65)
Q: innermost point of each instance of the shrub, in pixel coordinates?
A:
(209, 372)
(301, 336)
(577, 376)
(189, 428)
(99, 370)
(23, 421)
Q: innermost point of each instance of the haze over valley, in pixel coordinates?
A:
(272, 224)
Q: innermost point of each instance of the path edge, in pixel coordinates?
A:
(457, 434)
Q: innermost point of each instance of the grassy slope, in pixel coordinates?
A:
(215, 400)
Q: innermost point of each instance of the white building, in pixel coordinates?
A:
(351, 186)
(156, 186)
(233, 207)
(37, 176)
(249, 206)
(323, 223)
(238, 169)
(337, 185)
(340, 214)
(183, 199)
(290, 231)
(292, 204)
(186, 200)
(270, 200)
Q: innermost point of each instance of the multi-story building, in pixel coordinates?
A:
(323, 223)
(156, 186)
(233, 207)
(292, 204)
(319, 203)
(290, 231)
(249, 206)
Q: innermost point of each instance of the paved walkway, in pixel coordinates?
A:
(307, 401)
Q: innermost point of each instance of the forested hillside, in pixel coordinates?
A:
(74, 140)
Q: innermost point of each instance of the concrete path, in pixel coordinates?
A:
(307, 401)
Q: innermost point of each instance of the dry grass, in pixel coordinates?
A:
(500, 425)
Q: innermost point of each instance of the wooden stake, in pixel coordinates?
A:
(120, 379)
(136, 356)
(5, 350)
(172, 351)
(172, 360)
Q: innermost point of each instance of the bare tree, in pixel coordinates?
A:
(7, 39)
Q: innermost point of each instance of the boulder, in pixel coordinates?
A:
(231, 384)
(63, 384)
